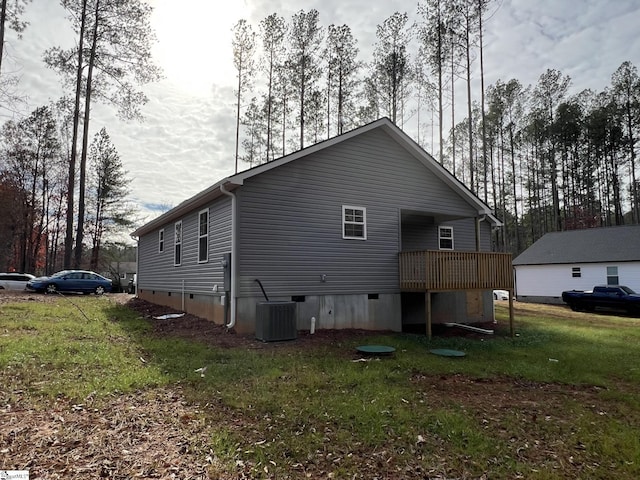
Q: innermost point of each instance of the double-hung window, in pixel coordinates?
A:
(177, 259)
(354, 223)
(612, 276)
(161, 241)
(203, 236)
(445, 238)
(576, 272)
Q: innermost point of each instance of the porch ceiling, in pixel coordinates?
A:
(416, 217)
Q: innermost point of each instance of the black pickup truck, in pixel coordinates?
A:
(611, 297)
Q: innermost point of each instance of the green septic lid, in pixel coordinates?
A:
(376, 349)
(445, 352)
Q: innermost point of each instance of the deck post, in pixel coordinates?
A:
(427, 306)
(511, 329)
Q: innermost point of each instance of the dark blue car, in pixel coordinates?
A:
(82, 281)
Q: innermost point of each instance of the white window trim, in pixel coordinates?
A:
(200, 236)
(440, 237)
(161, 241)
(177, 242)
(364, 222)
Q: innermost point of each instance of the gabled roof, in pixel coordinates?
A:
(384, 124)
(592, 245)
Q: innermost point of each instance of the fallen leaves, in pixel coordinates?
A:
(143, 435)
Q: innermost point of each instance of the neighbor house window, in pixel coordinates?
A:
(445, 238)
(354, 223)
(576, 272)
(203, 236)
(612, 276)
(161, 241)
(177, 243)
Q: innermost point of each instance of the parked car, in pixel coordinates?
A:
(14, 281)
(617, 297)
(71, 281)
(500, 295)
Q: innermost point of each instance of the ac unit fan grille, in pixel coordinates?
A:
(276, 321)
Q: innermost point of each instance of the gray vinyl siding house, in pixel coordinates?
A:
(283, 223)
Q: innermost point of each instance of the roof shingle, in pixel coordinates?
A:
(592, 245)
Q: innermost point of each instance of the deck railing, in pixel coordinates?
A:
(450, 270)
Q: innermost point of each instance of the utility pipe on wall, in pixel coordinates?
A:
(478, 220)
(234, 256)
(136, 275)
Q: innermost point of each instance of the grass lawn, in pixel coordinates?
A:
(90, 389)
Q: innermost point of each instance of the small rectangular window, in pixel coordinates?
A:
(177, 243)
(576, 272)
(445, 238)
(203, 236)
(612, 276)
(354, 223)
(161, 241)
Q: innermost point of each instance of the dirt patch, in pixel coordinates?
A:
(144, 435)
(13, 296)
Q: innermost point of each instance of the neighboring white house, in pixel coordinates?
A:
(578, 260)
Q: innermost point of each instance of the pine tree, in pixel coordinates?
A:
(305, 36)
(391, 64)
(108, 212)
(243, 44)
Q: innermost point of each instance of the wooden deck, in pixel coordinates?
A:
(441, 271)
(445, 270)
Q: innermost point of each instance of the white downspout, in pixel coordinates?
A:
(136, 275)
(478, 220)
(234, 256)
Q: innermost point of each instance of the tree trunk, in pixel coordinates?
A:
(302, 94)
(3, 20)
(453, 112)
(635, 202)
(238, 116)
(71, 184)
(269, 107)
(484, 127)
(469, 109)
(85, 142)
(514, 190)
(440, 108)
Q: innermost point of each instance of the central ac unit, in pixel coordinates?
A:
(276, 321)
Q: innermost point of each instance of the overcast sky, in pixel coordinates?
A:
(186, 142)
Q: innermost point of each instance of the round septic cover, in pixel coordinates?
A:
(445, 352)
(376, 349)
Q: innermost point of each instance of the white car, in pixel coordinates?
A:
(500, 295)
(14, 281)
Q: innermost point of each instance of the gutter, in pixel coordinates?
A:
(234, 256)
